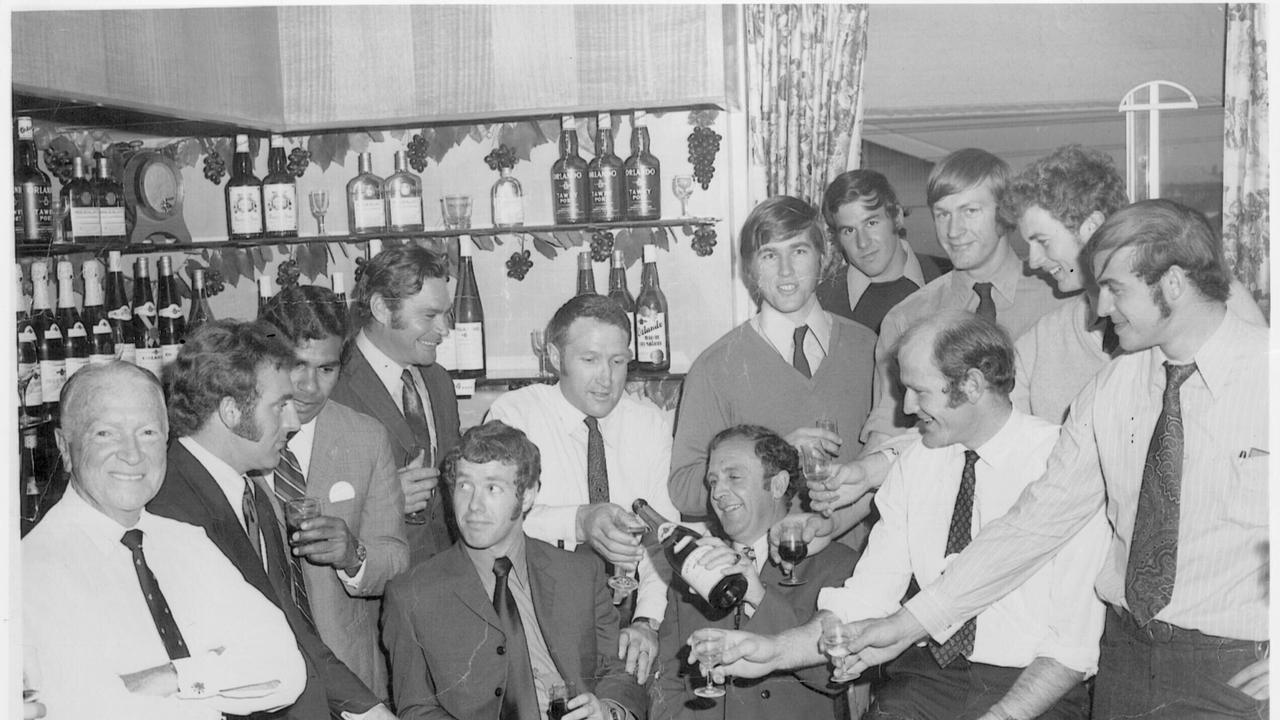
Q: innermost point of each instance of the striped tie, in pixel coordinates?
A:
(291, 484)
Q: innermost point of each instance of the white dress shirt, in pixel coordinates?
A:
(389, 372)
(779, 332)
(637, 451)
(231, 483)
(1054, 614)
(86, 619)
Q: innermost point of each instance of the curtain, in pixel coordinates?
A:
(1245, 187)
(804, 95)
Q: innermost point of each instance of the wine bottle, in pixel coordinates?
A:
(200, 312)
(264, 295)
(339, 292)
(680, 544)
(653, 335)
(605, 175)
(148, 352)
(109, 194)
(32, 190)
(28, 356)
(468, 315)
(366, 213)
(49, 345)
(170, 324)
(119, 311)
(76, 344)
(101, 345)
(279, 193)
(586, 275)
(80, 219)
(619, 293)
(643, 174)
(403, 191)
(569, 189)
(244, 195)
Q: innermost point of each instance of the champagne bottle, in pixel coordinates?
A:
(49, 348)
(365, 211)
(244, 195)
(32, 190)
(339, 292)
(76, 345)
(569, 189)
(29, 477)
(619, 293)
(169, 322)
(80, 219)
(148, 352)
(643, 174)
(653, 335)
(200, 312)
(279, 193)
(680, 544)
(605, 174)
(28, 355)
(468, 314)
(586, 275)
(264, 294)
(109, 194)
(403, 191)
(119, 311)
(101, 345)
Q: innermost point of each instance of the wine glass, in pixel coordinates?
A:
(24, 380)
(792, 549)
(816, 465)
(418, 517)
(682, 186)
(835, 639)
(710, 650)
(538, 341)
(319, 200)
(828, 423)
(623, 580)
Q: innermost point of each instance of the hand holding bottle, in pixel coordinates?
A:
(725, 560)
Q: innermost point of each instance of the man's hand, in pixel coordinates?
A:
(608, 528)
(846, 486)
(723, 559)
(586, 707)
(819, 531)
(638, 646)
(1254, 680)
(158, 681)
(734, 652)
(417, 483)
(876, 642)
(804, 438)
(325, 540)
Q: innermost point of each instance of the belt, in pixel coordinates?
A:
(1163, 632)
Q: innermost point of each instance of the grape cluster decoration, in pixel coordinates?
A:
(502, 157)
(287, 274)
(59, 163)
(518, 264)
(601, 245)
(214, 167)
(299, 158)
(704, 143)
(704, 241)
(214, 283)
(418, 153)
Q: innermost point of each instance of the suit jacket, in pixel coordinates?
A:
(190, 494)
(353, 449)
(360, 389)
(446, 643)
(779, 695)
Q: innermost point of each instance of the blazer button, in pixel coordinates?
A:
(764, 694)
(502, 650)
(497, 692)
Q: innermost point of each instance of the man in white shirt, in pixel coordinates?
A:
(99, 567)
(1024, 657)
(601, 450)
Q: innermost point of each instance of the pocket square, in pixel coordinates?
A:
(341, 490)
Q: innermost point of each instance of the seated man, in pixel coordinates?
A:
(486, 628)
(753, 475)
(1028, 654)
(130, 615)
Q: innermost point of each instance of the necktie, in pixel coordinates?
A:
(520, 701)
(1153, 552)
(958, 537)
(248, 504)
(986, 305)
(291, 484)
(597, 470)
(414, 414)
(174, 645)
(798, 359)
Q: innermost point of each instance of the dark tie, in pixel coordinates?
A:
(597, 469)
(798, 359)
(961, 643)
(986, 305)
(1153, 551)
(248, 504)
(520, 701)
(414, 414)
(290, 485)
(274, 549)
(165, 624)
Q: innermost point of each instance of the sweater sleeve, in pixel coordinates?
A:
(701, 414)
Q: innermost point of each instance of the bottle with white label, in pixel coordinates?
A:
(279, 193)
(606, 176)
(653, 335)
(244, 195)
(147, 354)
(119, 311)
(619, 293)
(49, 348)
(468, 314)
(403, 191)
(170, 323)
(366, 212)
(28, 355)
(644, 174)
(76, 344)
(680, 545)
(340, 293)
(264, 294)
(80, 220)
(101, 342)
(109, 194)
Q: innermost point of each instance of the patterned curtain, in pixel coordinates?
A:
(1246, 190)
(804, 95)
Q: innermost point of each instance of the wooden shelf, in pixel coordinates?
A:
(513, 382)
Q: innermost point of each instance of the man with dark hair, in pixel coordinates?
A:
(231, 413)
(753, 476)
(974, 455)
(344, 460)
(401, 306)
(1172, 440)
(601, 450)
(879, 268)
(486, 628)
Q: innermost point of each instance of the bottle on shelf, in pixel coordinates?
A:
(586, 275)
(76, 343)
(653, 334)
(200, 312)
(468, 316)
(120, 312)
(507, 200)
(264, 294)
(366, 212)
(148, 352)
(49, 348)
(403, 191)
(32, 189)
(605, 174)
(680, 545)
(170, 324)
(31, 403)
(571, 195)
(28, 475)
(643, 174)
(81, 220)
(244, 195)
(619, 293)
(101, 344)
(339, 292)
(109, 194)
(279, 194)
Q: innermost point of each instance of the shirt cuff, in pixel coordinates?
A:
(198, 676)
(353, 581)
(349, 715)
(933, 616)
(616, 710)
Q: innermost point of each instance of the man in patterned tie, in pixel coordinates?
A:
(1172, 438)
(974, 456)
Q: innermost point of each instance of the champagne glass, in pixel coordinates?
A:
(710, 650)
(682, 186)
(623, 580)
(792, 549)
(816, 465)
(561, 694)
(538, 340)
(419, 517)
(828, 423)
(319, 200)
(835, 639)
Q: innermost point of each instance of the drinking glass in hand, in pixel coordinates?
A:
(835, 638)
(561, 693)
(624, 574)
(828, 424)
(296, 510)
(792, 549)
(319, 200)
(710, 651)
(418, 517)
(816, 465)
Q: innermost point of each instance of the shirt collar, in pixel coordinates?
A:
(1215, 360)
(304, 437)
(387, 370)
(103, 531)
(1004, 282)
(571, 418)
(231, 482)
(859, 282)
(779, 330)
(483, 560)
(1007, 444)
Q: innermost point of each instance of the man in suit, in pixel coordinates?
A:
(231, 412)
(401, 304)
(753, 475)
(486, 628)
(344, 460)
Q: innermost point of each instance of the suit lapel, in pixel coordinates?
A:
(468, 588)
(367, 386)
(544, 578)
(324, 450)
